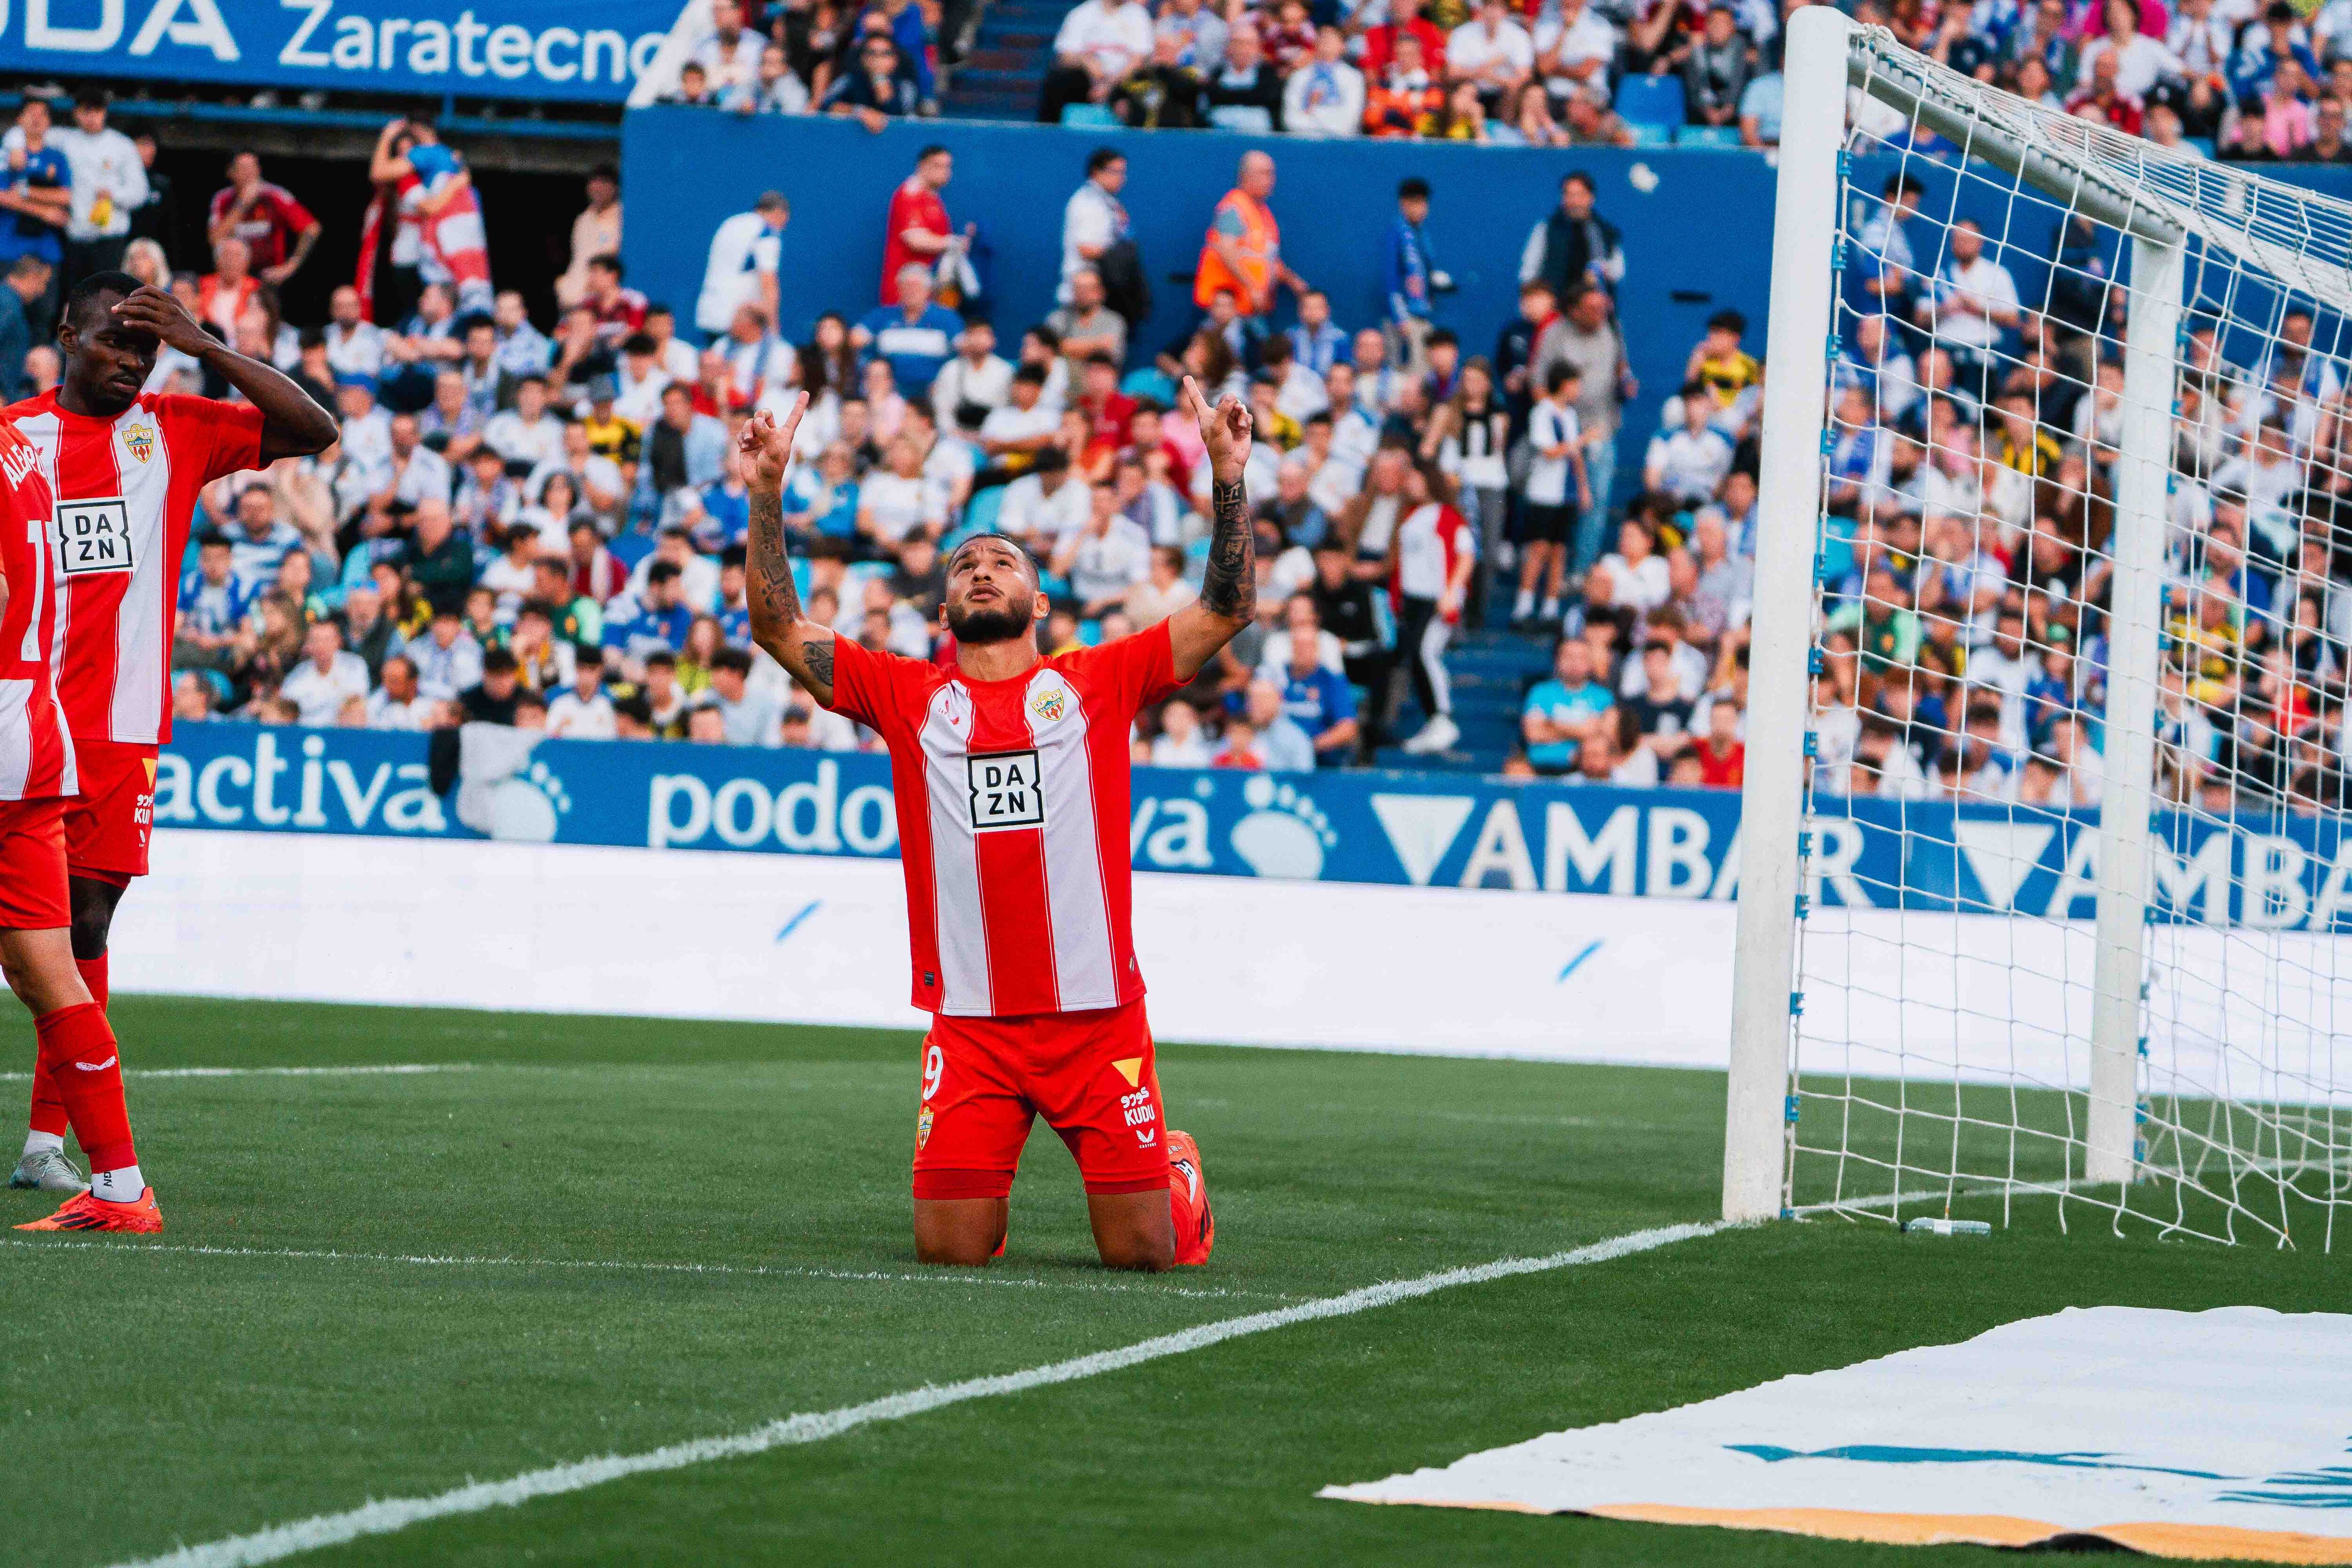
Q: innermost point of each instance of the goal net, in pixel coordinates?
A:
(2044, 871)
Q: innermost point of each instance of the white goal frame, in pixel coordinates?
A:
(1825, 54)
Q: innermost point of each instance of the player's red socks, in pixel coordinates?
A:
(48, 1113)
(93, 975)
(1188, 1200)
(78, 1050)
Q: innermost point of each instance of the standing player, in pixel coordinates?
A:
(1011, 775)
(37, 779)
(125, 467)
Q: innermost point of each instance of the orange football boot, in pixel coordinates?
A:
(87, 1211)
(1188, 1200)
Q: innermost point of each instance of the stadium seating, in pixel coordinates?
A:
(1001, 76)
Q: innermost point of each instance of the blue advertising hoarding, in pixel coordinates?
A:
(474, 48)
(1427, 830)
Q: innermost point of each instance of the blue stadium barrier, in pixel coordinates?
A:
(1437, 830)
(1089, 117)
(1707, 136)
(1651, 101)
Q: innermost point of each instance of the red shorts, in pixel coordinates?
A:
(1089, 1075)
(33, 865)
(107, 829)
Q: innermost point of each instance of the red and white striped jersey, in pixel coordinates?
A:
(37, 755)
(125, 489)
(1430, 545)
(1013, 820)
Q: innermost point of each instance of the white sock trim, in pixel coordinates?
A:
(44, 1143)
(122, 1187)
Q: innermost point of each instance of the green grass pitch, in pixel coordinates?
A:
(155, 1396)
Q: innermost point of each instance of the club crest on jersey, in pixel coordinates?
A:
(1049, 704)
(141, 440)
(923, 1128)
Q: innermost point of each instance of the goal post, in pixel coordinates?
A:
(1959, 985)
(2143, 475)
(1764, 976)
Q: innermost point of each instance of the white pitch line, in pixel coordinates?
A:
(385, 1518)
(942, 1277)
(397, 1069)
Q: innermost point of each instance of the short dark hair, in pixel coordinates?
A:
(97, 286)
(1412, 188)
(1032, 374)
(499, 661)
(661, 572)
(1730, 321)
(658, 309)
(212, 537)
(610, 263)
(663, 656)
(1579, 177)
(640, 344)
(733, 659)
(1102, 158)
(605, 172)
(973, 539)
(1051, 461)
(589, 653)
(92, 96)
(930, 149)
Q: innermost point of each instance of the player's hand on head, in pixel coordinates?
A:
(152, 309)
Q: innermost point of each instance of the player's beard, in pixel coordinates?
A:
(979, 627)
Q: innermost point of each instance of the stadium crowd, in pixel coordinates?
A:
(2250, 80)
(546, 529)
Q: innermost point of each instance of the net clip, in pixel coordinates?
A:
(1789, 1108)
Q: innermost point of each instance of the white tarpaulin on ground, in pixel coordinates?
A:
(2220, 1433)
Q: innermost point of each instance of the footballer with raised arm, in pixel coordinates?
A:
(125, 466)
(1010, 770)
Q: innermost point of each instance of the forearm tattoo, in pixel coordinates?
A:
(1229, 585)
(775, 603)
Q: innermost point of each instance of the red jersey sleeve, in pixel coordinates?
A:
(291, 215)
(883, 691)
(1130, 672)
(210, 437)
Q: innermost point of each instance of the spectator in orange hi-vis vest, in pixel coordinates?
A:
(1242, 253)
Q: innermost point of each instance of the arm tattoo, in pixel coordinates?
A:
(1229, 586)
(773, 601)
